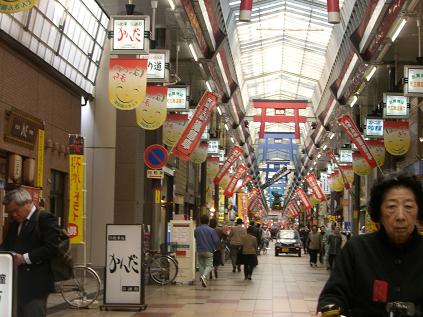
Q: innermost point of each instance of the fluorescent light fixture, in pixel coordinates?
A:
(226, 127)
(372, 72)
(319, 155)
(172, 4)
(331, 136)
(353, 101)
(232, 140)
(398, 30)
(208, 86)
(347, 75)
(324, 147)
(193, 53)
(219, 111)
(314, 163)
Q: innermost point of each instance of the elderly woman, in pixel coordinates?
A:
(374, 270)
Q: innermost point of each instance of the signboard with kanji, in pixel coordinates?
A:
(158, 66)
(177, 98)
(413, 80)
(129, 34)
(396, 106)
(374, 127)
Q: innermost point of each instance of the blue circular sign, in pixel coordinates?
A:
(155, 156)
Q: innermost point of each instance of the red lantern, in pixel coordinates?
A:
(333, 11)
(245, 10)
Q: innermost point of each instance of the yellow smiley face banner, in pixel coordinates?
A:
(225, 181)
(396, 137)
(127, 82)
(13, 6)
(173, 128)
(360, 165)
(336, 182)
(152, 112)
(348, 173)
(200, 154)
(378, 150)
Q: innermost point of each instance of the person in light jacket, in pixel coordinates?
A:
(314, 242)
(248, 257)
(235, 243)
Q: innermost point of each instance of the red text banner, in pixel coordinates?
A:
(247, 179)
(355, 136)
(236, 152)
(315, 187)
(191, 136)
(303, 197)
(240, 171)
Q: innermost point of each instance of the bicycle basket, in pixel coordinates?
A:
(169, 247)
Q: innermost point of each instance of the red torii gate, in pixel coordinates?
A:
(264, 104)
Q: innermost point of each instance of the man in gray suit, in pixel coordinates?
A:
(33, 237)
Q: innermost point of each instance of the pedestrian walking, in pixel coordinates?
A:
(314, 242)
(248, 256)
(335, 244)
(235, 243)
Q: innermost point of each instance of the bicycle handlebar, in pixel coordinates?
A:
(395, 309)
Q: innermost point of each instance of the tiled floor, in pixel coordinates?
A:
(280, 287)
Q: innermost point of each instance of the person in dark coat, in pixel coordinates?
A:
(249, 254)
(33, 248)
(374, 270)
(334, 247)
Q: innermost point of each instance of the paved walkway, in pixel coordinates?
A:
(280, 287)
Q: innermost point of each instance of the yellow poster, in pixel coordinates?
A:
(76, 198)
(12, 6)
(336, 183)
(200, 154)
(173, 128)
(378, 151)
(152, 112)
(127, 82)
(360, 165)
(396, 137)
(40, 159)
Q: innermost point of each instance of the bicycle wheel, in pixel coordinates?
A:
(163, 269)
(83, 289)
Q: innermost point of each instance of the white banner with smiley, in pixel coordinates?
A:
(173, 128)
(151, 114)
(396, 137)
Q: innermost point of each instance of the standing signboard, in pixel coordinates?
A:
(182, 232)
(124, 283)
(8, 285)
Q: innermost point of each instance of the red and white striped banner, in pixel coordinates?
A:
(303, 197)
(333, 11)
(247, 179)
(245, 10)
(240, 171)
(315, 187)
(230, 160)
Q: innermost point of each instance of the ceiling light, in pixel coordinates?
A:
(353, 101)
(398, 30)
(193, 53)
(208, 86)
(332, 135)
(219, 111)
(226, 127)
(172, 4)
(324, 147)
(319, 155)
(314, 163)
(372, 72)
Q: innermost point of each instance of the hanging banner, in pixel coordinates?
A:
(295, 206)
(315, 187)
(40, 158)
(127, 82)
(303, 197)
(212, 169)
(13, 6)
(396, 137)
(173, 128)
(348, 172)
(200, 154)
(76, 189)
(225, 181)
(332, 156)
(378, 150)
(195, 128)
(355, 136)
(152, 112)
(360, 165)
(240, 171)
(336, 182)
(235, 152)
(247, 179)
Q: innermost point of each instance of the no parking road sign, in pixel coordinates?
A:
(155, 156)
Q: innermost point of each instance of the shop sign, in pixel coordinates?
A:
(413, 80)
(158, 66)
(345, 156)
(155, 174)
(221, 155)
(177, 98)
(213, 146)
(129, 34)
(303, 197)
(236, 152)
(240, 171)
(315, 187)
(22, 128)
(13, 6)
(395, 106)
(374, 127)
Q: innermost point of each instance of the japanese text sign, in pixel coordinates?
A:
(247, 179)
(191, 136)
(156, 67)
(303, 197)
(374, 127)
(396, 107)
(213, 146)
(315, 187)
(413, 79)
(177, 98)
(129, 34)
(76, 198)
(236, 152)
(240, 171)
(355, 136)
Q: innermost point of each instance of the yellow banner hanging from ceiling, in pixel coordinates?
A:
(348, 173)
(127, 82)
(336, 182)
(225, 181)
(378, 150)
(152, 112)
(212, 169)
(173, 128)
(396, 137)
(12, 6)
(360, 165)
(200, 154)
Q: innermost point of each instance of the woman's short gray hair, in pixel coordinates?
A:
(20, 196)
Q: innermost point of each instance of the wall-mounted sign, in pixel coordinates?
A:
(374, 127)
(413, 80)
(130, 34)
(345, 156)
(177, 98)
(213, 146)
(22, 128)
(8, 286)
(158, 66)
(156, 174)
(396, 106)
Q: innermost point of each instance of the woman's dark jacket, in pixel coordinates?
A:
(371, 271)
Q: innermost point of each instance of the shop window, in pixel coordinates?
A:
(57, 196)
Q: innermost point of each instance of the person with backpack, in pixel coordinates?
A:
(33, 237)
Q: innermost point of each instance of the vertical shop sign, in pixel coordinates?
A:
(236, 152)
(195, 128)
(40, 159)
(76, 189)
(127, 82)
(315, 187)
(303, 197)
(240, 171)
(13, 6)
(355, 136)
(152, 112)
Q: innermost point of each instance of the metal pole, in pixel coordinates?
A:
(84, 217)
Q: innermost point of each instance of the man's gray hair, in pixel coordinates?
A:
(20, 196)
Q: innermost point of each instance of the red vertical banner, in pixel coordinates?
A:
(191, 136)
(247, 179)
(333, 11)
(315, 187)
(303, 197)
(240, 171)
(236, 152)
(355, 136)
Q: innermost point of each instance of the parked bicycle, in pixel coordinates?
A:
(162, 266)
(83, 289)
